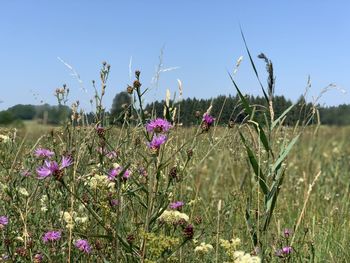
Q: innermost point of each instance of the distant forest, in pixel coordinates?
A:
(224, 109)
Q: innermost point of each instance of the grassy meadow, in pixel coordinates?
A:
(151, 190)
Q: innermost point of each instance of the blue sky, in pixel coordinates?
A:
(202, 38)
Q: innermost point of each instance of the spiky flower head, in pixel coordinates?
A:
(51, 236)
(3, 221)
(156, 142)
(83, 245)
(158, 126)
(43, 153)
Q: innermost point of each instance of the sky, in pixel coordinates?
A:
(199, 40)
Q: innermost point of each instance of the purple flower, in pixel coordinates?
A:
(158, 125)
(43, 153)
(113, 202)
(176, 205)
(52, 168)
(285, 251)
(83, 245)
(156, 142)
(66, 161)
(208, 119)
(3, 221)
(116, 171)
(51, 236)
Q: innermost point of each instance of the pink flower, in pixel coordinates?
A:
(208, 119)
(83, 245)
(3, 221)
(52, 168)
(43, 153)
(51, 236)
(157, 141)
(158, 126)
(116, 171)
(176, 205)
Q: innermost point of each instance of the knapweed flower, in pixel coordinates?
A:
(83, 245)
(188, 231)
(52, 168)
(116, 171)
(43, 153)
(51, 236)
(207, 121)
(158, 126)
(3, 221)
(285, 251)
(176, 205)
(156, 142)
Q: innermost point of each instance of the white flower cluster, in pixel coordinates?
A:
(23, 191)
(4, 138)
(242, 257)
(72, 218)
(96, 181)
(171, 217)
(203, 248)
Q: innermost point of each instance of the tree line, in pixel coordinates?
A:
(226, 110)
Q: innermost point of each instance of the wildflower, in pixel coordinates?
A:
(285, 251)
(100, 131)
(116, 171)
(51, 236)
(83, 245)
(188, 231)
(176, 205)
(173, 217)
(23, 191)
(38, 258)
(4, 138)
(156, 142)
(43, 153)
(158, 126)
(242, 257)
(3, 221)
(203, 248)
(52, 168)
(207, 121)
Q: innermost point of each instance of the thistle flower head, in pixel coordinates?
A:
(208, 119)
(51, 236)
(43, 153)
(176, 205)
(158, 125)
(83, 245)
(3, 221)
(157, 141)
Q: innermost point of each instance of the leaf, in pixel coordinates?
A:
(254, 68)
(285, 153)
(281, 117)
(255, 165)
(258, 128)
